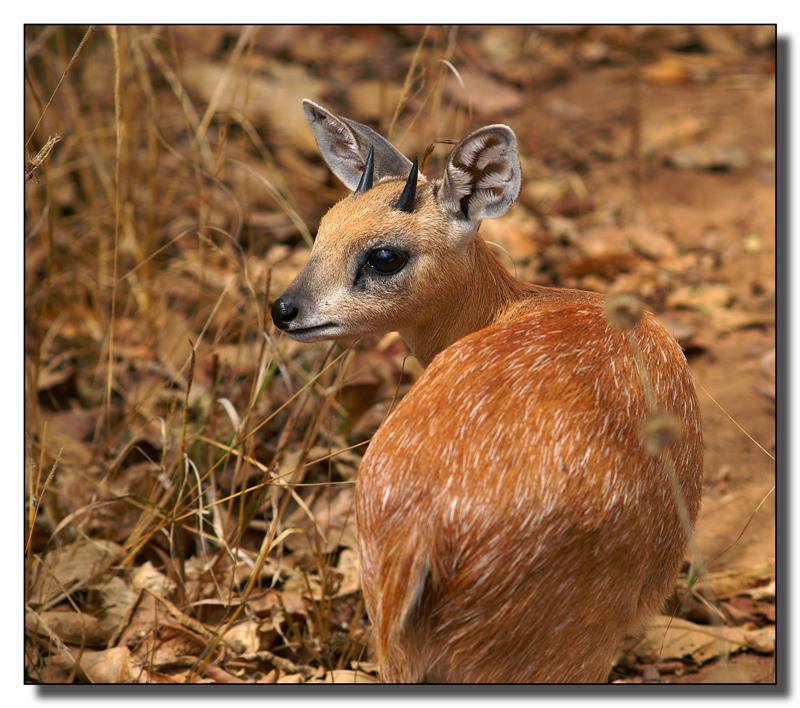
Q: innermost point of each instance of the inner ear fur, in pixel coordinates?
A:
(344, 144)
(482, 175)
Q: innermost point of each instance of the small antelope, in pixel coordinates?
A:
(512, 526)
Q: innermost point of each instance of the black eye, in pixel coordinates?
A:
(386, 261)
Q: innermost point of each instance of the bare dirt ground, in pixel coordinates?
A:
(190, 472)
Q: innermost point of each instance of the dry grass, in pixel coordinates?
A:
(164, 414)
(190, 472)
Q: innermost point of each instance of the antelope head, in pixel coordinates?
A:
(399, 252)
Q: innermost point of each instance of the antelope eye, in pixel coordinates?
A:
(386, 261)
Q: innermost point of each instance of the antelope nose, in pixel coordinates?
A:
(283, 312)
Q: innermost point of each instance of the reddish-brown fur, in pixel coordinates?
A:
(511, 525)
(509, 503)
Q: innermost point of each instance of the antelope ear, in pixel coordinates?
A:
(482, 175)
(344, 145)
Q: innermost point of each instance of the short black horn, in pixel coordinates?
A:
(406, 201)
(369, 172)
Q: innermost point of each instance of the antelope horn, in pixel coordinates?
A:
(406, 201)
(369, 172)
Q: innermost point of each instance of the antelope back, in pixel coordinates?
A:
(511, 525)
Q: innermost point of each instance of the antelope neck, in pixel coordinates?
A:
(482, 299)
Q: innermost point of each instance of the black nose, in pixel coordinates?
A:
(283, 312)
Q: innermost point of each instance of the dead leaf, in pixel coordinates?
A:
(684, 331)
(199, 39)
(680, 265)
(243, 639)
(740, 581)
(219, 675)
(719, 39)
(140, 619)
(291, 678)
(146, 577)
(174, 651)
(348, 568)
(172, 350)
(70, 627)
(562, 227)
(365, 379)
(502, 43)
(370, 667)
(562, 196)
(742, 610)
(262, 605)
(726, 672)
(54, 670)
(601, 241)
(726, 321)
(373, 99)
(107, 666)
(66, 432)
(667, 70)
(69, 567)
(650, 674)
(486, 95)
(118, 600)
(270, 677)
(671, 667)
(761, 640)
(707, 298)
(608, 265)
(669, 131)
(333, 526)
(714, 301)
(651, 244)
(762, 36)
(345, 676)
(54, 374)
(515, 236)
(372, 418)
(675, 638)
(705, 157)
(680, 69)
(761, 592)
(565, 109)
(300, 585)
(753, 244)
(275, 96)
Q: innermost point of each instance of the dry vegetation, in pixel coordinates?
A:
(190, 472)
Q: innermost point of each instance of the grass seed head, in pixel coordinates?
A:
(659, 432)
(624, 311)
